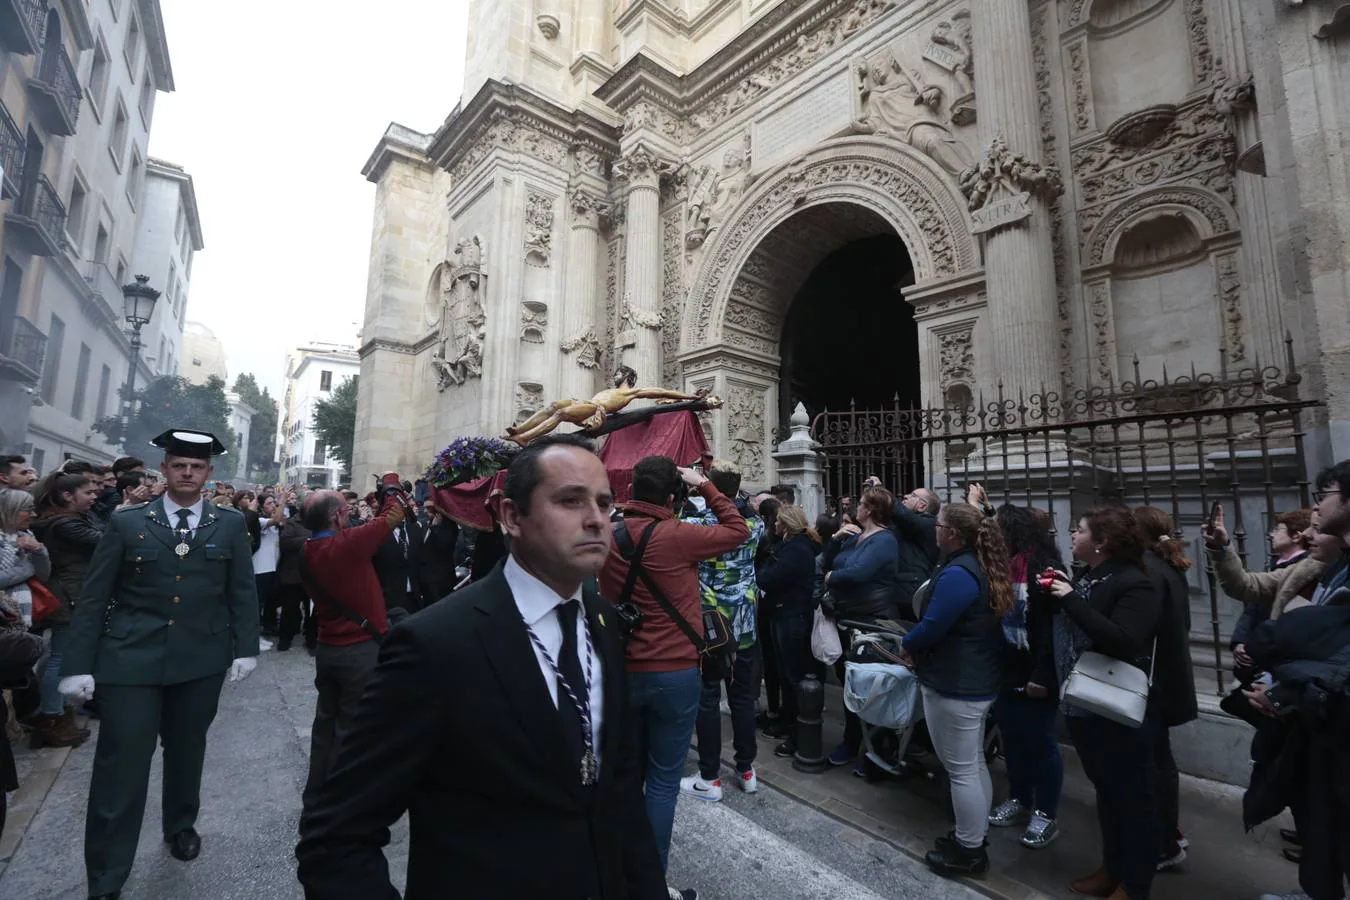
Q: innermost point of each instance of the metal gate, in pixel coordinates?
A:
(1180, 444)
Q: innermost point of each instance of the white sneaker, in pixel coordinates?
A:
(264, 644)
(695, 786)
(748, 782)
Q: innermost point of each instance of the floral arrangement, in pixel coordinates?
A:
(468, 458)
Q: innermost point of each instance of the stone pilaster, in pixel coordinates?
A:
(580, 343)
(639, 338)
(1019, 253)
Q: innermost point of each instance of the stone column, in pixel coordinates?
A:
(1019, 252)
(639, 337)
(580, 346)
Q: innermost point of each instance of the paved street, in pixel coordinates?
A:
(762, 846)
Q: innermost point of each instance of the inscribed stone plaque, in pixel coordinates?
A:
(1001, 213)
(787, 132)
(942, 56)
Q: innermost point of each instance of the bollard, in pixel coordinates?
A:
(810, 756)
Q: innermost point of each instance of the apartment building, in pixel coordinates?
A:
(168, 235)
(313, 372)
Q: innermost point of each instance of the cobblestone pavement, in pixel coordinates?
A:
(765, 845)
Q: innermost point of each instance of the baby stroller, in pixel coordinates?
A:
(885, 696)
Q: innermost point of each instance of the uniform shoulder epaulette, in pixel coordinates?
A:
(134, 506)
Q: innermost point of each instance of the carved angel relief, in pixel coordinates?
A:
(1000, 188)
(463, 329)
(538, 229)
(899, 102)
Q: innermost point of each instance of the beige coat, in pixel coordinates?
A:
(1278, 589)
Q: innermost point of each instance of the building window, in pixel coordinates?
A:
(104, 385)
(118, 147)
(98, 77)
(134, 178)
(56, 336)
(147, 103)
(121, 271)
(81, 377)
(132, 48)
(77, 209)
(319, 451)
(39, 460)
(325, 380)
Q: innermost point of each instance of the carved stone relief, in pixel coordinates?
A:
(745, 430)
(950, 47)
(810, 46)
(538, 229)
(585, 346)
(645, 114)
(640, 166)
(1080, 89)
(897, 100)
(1103, 332)
(712, 194)
(613, 266)
(1234, 96)
(529, 398)
(956, 357)
(672, 298)
(509, 131)
(1230, 302)
(463, 331)
(533, 321)
(999, 189)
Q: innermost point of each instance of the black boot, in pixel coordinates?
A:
(951, 859)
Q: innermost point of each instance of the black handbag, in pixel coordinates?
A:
(716, 646)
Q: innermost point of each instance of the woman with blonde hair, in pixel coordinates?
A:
(22, 556)
(787, 579)
(957, 652)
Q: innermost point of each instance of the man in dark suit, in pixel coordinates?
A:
(499, 722)
(440, 537)
(168, 609)
(398, 562)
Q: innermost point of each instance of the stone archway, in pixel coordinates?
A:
(794, 217)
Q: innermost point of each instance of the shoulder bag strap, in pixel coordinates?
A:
(637, 570)
(318, 594)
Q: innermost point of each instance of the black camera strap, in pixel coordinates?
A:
(318, 594)
(637, 570)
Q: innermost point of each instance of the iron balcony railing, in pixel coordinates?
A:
(58, 90)
(27, 347)
(12, 149)
(44, 206)
(22, 24)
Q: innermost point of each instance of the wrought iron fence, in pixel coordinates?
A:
(1179, 443)
(12, 150)
(27, 346)
(57, 71)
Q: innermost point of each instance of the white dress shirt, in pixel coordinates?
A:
(537, 603)
(194, 513)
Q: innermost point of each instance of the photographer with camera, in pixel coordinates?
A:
(663, 654)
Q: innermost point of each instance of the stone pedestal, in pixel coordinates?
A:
(1019, 255)
(799, 465)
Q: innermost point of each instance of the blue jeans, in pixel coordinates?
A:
(53, 704)
(742, 692)
(1031, 750)
(665, 706)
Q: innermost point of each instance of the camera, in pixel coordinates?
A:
(630, 618)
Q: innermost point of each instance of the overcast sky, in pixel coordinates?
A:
(278, 105)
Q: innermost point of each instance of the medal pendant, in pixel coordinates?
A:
(182, 550)
(589, 769)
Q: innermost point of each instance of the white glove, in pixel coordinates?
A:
(242, 667)
(78, 687)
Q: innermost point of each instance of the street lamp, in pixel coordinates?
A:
(138, 305)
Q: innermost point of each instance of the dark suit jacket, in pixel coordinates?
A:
(456, 728)
(437, 558)
(395, 571)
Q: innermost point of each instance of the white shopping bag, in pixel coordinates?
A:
(825, 644)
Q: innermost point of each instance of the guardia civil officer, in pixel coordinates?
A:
(168, 609)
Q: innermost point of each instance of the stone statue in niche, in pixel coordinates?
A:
(950, 48)
(712, 194)
(533, 321)
(593, 412)
(463, 331)
(538, 229)
(897, 101)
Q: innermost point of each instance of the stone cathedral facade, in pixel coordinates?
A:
(1084, 190)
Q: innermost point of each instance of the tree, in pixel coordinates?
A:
(262, 432)
(173, 402)
(335, 422)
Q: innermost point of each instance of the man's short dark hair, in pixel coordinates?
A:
(1335, 478)
(128, 481)
(725, 476)
(127, 464)
(523, 474)
(103, 470)
(785, 493)
(78, 467)
(7, 463)
(318, 510)
(655, 480)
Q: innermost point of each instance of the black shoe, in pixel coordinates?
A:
(113, 896)
(766, 719)
(776, 730)
(283, 646)
(786, 750)
(948, 840)
(185, 845)
(1292, 836)
(954, 860)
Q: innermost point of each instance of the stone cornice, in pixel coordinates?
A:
(397, 141)
(394, 346)
(496, 102)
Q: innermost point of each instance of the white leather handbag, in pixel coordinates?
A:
(1111, 688)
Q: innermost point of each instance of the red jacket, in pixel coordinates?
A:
(671, 558)
(341, 565)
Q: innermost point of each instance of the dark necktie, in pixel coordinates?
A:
(184, 529)
(569, 663)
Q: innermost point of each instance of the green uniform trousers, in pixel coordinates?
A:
(131, 716)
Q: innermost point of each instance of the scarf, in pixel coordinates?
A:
(21, 598)
(1071, 641)
(1015, 622)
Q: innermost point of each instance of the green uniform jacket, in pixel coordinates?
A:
(149, 617)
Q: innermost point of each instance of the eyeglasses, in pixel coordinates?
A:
(1319, 496)
(943, 525)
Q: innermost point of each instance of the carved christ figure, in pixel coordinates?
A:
(593, 412)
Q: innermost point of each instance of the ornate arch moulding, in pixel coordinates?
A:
(1213, 218)
(895, 181)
